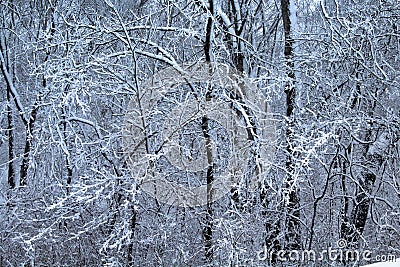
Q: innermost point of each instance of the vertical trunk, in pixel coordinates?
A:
(272, 229)
(130, 257)
(359, 213)
(209, 32)
(353, 224)
(293, 225)
(65, 137)
(238, 57)
(67, 160)
(5, 69)
(10, 137)
(345, 208)
(29, 136)
(207, 231)
(32, 119)
(28, 146)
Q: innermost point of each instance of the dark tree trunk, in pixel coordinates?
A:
(207, 230)
(345, 207)
(354, 228)
(293, 224)
(353, 224)
(209, 30)
(130, 245)
(10, 137)
(28, 143)
(65, 137)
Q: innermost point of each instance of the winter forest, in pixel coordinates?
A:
(199, 132)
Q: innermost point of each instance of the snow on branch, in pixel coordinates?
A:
(11, 85)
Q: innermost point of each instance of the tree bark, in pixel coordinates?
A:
(353, 230)
(209, 32)
(28, 145)
(207, 230)
(10, 137)
(293, 224)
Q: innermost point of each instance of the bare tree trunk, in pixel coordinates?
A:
(353, 230)
(207, 231)
(293, 224)
(372, 153)
(130, 245)
(238, 57)
(345, 208)
(64, 135)
(28, 145)
(10, 137)
(5, 69)
(29, 122)
(209, 32)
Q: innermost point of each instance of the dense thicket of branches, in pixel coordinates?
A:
(329, 70)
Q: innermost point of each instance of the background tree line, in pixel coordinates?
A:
(329, 70)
